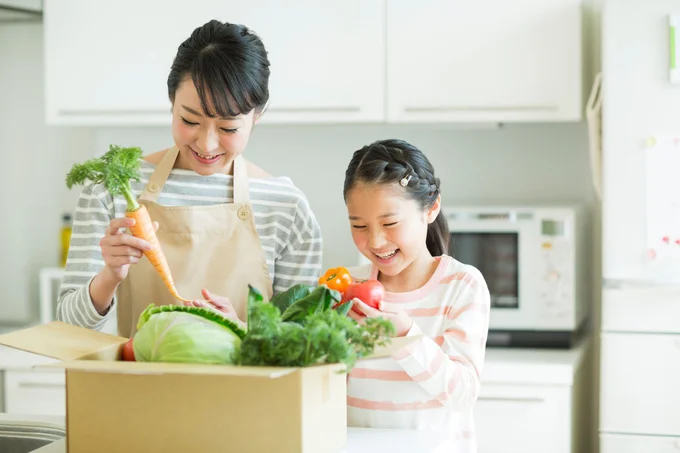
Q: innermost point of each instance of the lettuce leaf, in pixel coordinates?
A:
(179, 334)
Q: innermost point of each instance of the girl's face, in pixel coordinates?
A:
(206, 145)
(388, 228)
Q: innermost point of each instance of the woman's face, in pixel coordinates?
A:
(206, 145)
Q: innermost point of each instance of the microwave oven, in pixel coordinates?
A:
(533, 261)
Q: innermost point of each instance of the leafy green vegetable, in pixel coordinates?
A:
(324, 335)
(261, 316)
(181, 334)
(344, 307)
(285, 299)
(320, 299)
(312, 329)
(115, 169)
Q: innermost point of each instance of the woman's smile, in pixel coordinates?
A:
(206, 159)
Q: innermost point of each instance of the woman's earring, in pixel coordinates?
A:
(405, 180)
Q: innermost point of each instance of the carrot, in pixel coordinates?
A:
(143, 228)
(115, 169)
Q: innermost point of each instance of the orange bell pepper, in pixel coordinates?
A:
(337, 278)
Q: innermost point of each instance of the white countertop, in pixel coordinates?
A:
(359, 440)
(534, 366)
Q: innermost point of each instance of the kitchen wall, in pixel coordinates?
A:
(35, 159)
(513, 163)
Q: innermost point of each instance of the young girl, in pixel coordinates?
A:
(394, 206)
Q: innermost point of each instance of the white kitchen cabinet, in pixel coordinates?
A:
(535, 401)
(640, 377)
(484, 60)
(35, 392)
(107, 63)
(640, 369)
(336, 61)
(27, 388)
(540, 411)
(623, 443)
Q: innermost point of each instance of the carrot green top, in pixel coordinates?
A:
(114, 169)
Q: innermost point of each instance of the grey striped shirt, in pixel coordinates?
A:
(288, 231)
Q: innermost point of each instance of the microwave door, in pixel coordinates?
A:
(498, 254)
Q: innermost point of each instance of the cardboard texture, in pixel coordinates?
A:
(114, 406)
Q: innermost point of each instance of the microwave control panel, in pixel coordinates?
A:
(556, 286)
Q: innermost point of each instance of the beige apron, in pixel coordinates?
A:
(214, 247)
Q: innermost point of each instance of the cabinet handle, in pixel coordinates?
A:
(511, 399)
(481, 108)
(76, 112)
(346, 109)
(98, 112)
(40, 385)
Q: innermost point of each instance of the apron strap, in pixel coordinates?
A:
(160, 176)
(241, 192)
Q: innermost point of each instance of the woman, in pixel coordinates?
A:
(223, 223)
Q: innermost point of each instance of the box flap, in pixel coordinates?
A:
(100, 366)
(60, 340)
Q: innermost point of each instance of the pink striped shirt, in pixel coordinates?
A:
(432, 383)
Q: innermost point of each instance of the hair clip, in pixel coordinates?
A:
(405, 180)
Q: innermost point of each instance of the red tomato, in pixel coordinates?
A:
(370, 292)
(128, 351)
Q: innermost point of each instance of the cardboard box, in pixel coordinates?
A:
(114, 406)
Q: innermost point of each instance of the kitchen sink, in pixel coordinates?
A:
(26, 436)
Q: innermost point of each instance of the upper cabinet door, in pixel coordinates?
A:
(327, 58)
(108, 62)
(484, 60)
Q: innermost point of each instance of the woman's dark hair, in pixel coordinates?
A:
(229, 67)
(390, 161)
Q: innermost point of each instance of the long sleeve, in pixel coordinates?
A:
(301, 258)
(93, 213)
(448, 367)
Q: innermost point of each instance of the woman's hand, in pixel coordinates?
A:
(120, 249)
(360, 311)
(219, 304)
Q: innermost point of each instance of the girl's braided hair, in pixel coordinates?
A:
(396, 161)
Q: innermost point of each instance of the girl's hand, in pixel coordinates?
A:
(360, 311)
(120, 249)
(219, 304)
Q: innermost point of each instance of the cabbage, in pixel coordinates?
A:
(175, 333)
